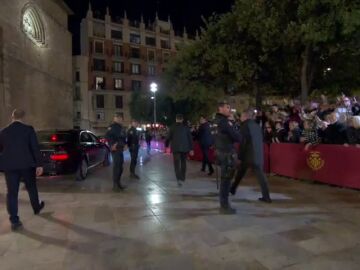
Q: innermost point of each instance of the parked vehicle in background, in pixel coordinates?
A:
(72, 151)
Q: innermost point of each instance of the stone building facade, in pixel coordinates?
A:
(36, 62)
(118, 56)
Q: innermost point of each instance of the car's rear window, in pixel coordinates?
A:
(55, 137)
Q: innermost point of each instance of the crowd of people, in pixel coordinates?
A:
(321, 121)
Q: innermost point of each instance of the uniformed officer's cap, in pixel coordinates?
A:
(223, 102)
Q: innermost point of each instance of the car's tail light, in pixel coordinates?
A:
(54, 138)
(60, 156)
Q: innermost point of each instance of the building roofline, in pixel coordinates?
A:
(64, 6)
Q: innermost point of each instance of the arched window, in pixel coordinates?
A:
(32, 25)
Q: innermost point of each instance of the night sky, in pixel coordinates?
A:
(182, 12)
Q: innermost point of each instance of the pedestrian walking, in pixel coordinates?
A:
(116, 136)
(251, 154)
(205, 141)
(21, 161)
(148, 138)
(181, 144)
(133, 142)
(225, 136)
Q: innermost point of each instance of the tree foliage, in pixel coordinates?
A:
(270, 46)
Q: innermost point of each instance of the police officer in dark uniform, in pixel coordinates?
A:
(133, 139)
(225, 136)
(116, 135)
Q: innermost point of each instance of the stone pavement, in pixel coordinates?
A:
(156, 225)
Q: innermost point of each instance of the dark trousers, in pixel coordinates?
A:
(259, 174)
(134, 151)
(206, 161)
(148, 144)
(227, 171)
(180, 165)
(13, 179)
(118, 163)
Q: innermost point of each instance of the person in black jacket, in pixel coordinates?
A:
(181, 143)
(225, 136)
(148, 138)
(335, 133)
(251, 154)
(116, 135)
(21, 160)
(133, 142)
(205, 141)
(280, 133)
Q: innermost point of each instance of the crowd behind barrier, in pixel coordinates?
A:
(329, 164)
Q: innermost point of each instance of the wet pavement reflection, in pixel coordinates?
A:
(155, 224)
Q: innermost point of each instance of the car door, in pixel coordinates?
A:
(99, 151)
(88, 147)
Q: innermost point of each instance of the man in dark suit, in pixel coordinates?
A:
(205, 140)
(133, 142)
(251, 154)
(21, 160)
(181, 144)
(116, 135)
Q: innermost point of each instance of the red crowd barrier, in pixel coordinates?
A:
(330, 164)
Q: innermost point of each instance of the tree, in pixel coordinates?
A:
(140, 107)
(192, 89)
(267, 46)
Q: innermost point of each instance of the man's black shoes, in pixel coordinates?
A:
(266, 200)
(16, 226)
(41, 206)
(232, 190)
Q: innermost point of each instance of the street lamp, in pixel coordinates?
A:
(154, 88)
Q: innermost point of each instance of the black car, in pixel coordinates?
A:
(71, 151)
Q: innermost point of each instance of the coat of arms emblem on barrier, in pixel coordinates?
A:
(314, 161)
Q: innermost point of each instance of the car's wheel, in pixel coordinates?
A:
(82, 171)
(107, 159)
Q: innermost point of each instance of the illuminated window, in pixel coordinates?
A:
(118, 84)
(99, 83)
(135, 69)
(32, 25)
